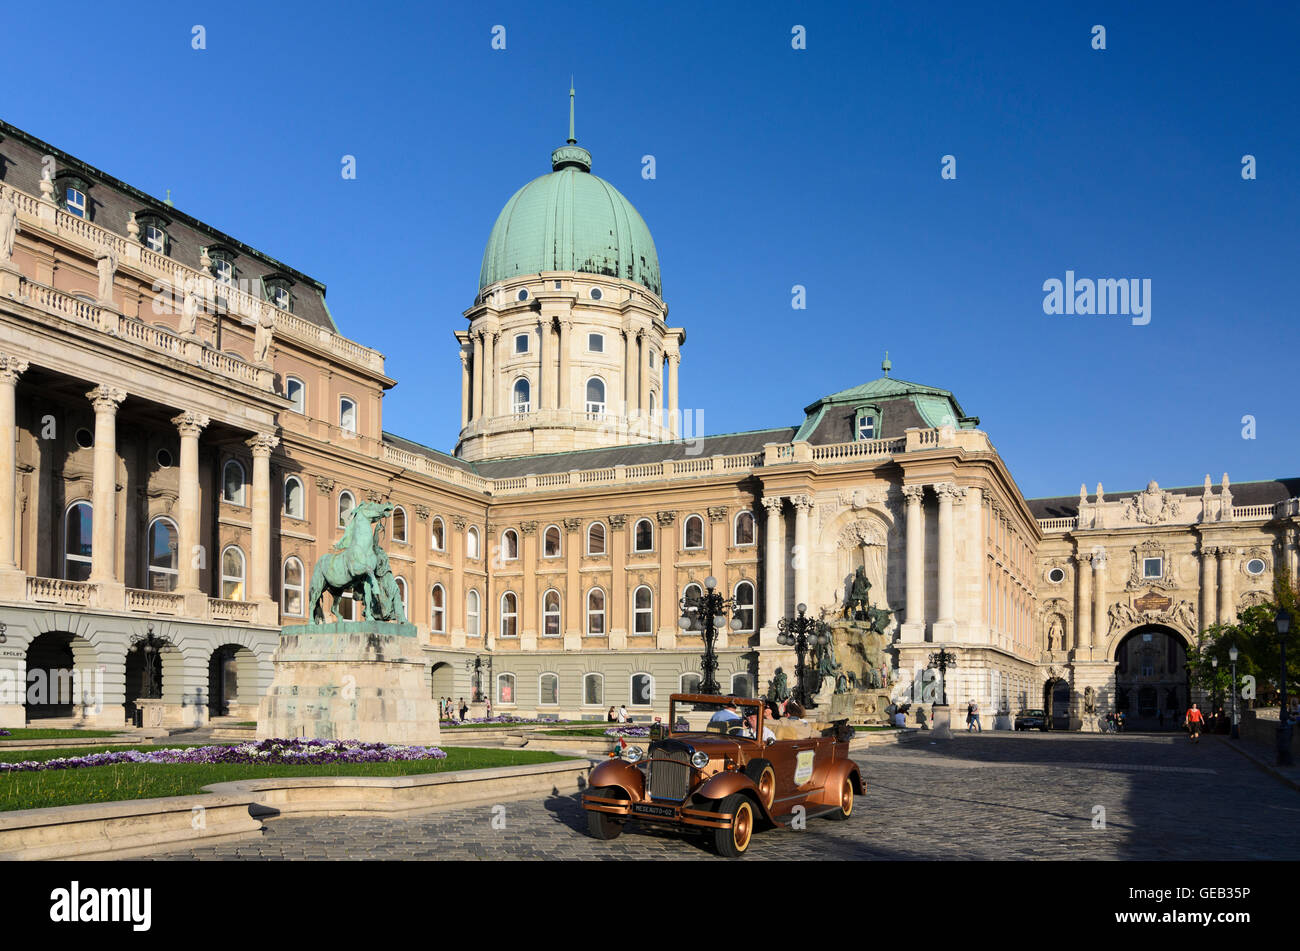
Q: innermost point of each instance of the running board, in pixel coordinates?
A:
(811, 813)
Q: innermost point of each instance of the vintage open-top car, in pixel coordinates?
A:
(722, 766)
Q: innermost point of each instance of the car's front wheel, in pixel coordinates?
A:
(601, 825)
(733, 841)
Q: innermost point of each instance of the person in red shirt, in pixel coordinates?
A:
(1193, 721)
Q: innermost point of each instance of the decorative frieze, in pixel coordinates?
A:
(324, 485)
(717, 513)
(617, 521)
(666, 518)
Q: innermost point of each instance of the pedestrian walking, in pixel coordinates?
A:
(970, 716)
(464, 709)
(1193, 721)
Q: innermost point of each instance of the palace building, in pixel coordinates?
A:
(186, 428)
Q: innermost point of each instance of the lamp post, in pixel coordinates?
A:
(1232, 656)
(801, 633)
(151, 646)
(942, 660)
(1214, 696)
(475, 666)
(1283, 622)
(700, 614)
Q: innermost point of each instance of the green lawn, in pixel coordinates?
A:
(30, 734)
(593, 731)
(67, 787)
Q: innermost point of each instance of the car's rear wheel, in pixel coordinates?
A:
(845, 808)
(733, 841)
(764, 777)
(601, 825)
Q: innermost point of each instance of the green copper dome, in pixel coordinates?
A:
(570, 220)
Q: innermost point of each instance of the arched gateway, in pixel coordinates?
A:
(1152, 685)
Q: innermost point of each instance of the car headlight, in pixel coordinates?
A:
(699, 759)
(633, 754)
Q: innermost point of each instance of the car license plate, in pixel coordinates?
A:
(649, 809)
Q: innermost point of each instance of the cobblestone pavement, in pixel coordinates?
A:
(996, 796)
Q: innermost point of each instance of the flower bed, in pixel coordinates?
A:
(290, 752)
(628, 731)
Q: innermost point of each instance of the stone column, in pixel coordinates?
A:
(456, 587)
(103, 568)
(1227, 609)
(476, 411)
(543, 400)
(1083, 603)
(1100, 596)
(530, 607)
(673, 404)
(259, 556)
(464, 388)
(668, 608)
(566, 327)
(190, 425)
(11, 368)
(574, 621)
(945, 623)
(628, 398)
(490, 373)
(913, 628)
(616, 605)
(1209, 554)
(802, 555)
(643, 371)
(774, 567)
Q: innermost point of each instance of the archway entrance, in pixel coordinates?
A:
(49, 689)
(1056, 704)
(232, 670)
(442, 681)
(1152, 686)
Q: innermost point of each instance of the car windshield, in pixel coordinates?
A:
(713, 716)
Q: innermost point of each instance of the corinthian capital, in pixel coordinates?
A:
(773, 504)
(802, 503)
(263, 444)
(106, 398)
(948, 490)
(914, 493)
(11, 368)
(190, 424)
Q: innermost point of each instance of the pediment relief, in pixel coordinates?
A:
(1153, 505)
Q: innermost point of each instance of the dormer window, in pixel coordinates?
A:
(223, 265)
(277, 292)
(75, 201)
(153, 231)
(73, 192)
(866, 423)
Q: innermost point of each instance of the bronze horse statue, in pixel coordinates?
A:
(351, 565)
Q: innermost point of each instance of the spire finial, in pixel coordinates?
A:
(886, 365)
(572, 140)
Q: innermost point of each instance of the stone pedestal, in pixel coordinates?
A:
(942, 722)
(152, 712)
(350, 680)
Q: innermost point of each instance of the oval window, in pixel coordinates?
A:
(596, 294)
(1255, 566)
(84, 438)
(1056, 575)
(523, 294)
(164, 459)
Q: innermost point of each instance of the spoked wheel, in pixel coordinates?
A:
(601, 825)
(733, 842)
(764, 777)
(846, 801)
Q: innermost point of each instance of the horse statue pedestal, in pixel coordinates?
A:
(350, 680)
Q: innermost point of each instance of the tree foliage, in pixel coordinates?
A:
(1259, 649)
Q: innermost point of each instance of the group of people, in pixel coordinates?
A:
(618, 716)
(730, 716)
(1115, 721)
(448, 708)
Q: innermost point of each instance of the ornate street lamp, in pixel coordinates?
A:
(802, 633)
(476, 666)
(1232, 656)
(942, 660)
(1283, 622)
(1214, 697)
(151, 647)
(699, 614)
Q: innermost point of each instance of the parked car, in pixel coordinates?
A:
(710, 769)
(1031, 720)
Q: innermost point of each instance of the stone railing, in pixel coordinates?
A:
(619, 475)
(36, 214)
(863, 448)
(1253, 511)
(431, 467)
(1058, 524)
(58, 591)
(154, 602)
(221, 609)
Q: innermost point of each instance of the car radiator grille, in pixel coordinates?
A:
(670, 775)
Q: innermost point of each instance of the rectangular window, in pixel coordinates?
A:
(1153, 567)
(596, 343)
(521, 343)
(76, 202)
(155, 238)
(866, 427)
(224, 271)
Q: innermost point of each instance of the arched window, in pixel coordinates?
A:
(232, 482)
(551, 542)
(346, 504)
(471, 543)
(740, 685)
(472, 612)
(693, 532)
(596, 396)
(294, 497)
(291, 587)
(548, 690)
(551, 613)
(399, 524)
(521, 392)
(691, 593)
(596, 538)
(509, 614)
(438, 609)
(643, 609)
(596, 613)
(401, 590)
(296, 392)
(163, 556)
(347, 414)
(643, 536)
(743, 533)
(232, 574)
(509, 545)
(506, 688)
(438, 535)
(690, 683)
(643, 689)
(593, 690)
(744, 595)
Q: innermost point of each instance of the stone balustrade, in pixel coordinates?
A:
(1058, 524)
(85, 594)
(58, 591)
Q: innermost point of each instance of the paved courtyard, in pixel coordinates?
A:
(996, 796)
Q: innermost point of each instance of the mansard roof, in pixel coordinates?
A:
(1243, 493)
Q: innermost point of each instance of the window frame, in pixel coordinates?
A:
(595, 335)
(636, 547)
(241, 501)
(241, 579)
(735, 530)
(400, 539)
(546, 542)
(338, 508)
(286, 587)
(520, 407)
(631, 688)
(686, 527)
(287, 495)
(473, 544)
(602, 612)
(638, 611)
(596, 407)
(507, 548)
(600, 698)
(557, 613)
(514, 689)
(541, 693)
(604, 535)
(355, 428)
(437, 534)
(149, 567)
(437, 611)
(476, 613)
(512, 615)
(299, 404)
(87, 559)
(751, 608)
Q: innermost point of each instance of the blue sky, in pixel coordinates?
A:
(775, 167)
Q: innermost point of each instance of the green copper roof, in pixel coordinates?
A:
(936, 407)
(570, 220)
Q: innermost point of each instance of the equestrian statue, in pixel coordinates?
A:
(358, 564)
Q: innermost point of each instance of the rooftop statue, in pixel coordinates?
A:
(358, 564)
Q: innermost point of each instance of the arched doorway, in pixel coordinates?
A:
(1056, 703)
(165, 661)
(60, 680)
(232, 672)
(1152, 686)
(442, 680)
